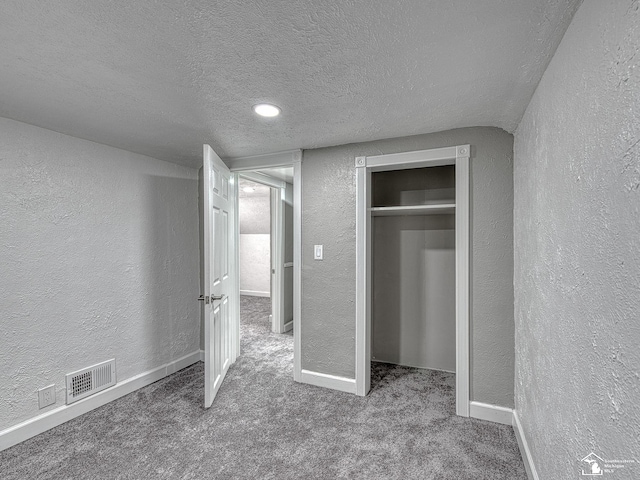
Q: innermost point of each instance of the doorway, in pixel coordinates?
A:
(273, 162)
(458, 158)
(254, 202)
(265, 205)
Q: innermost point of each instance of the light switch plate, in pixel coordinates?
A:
(47, 396)
(318, 252)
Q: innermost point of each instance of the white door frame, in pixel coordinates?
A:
(290, 158)
(458, 156)
(277, 246)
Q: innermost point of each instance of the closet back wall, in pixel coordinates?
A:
(414, 271)
(255, 240)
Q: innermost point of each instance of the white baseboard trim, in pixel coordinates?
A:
(333, 382)
(288, 326)
(527, 458)
(255, 293)
(37, 425)
(491, 413)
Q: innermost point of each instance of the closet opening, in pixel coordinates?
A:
(412, 264)
(414, 268)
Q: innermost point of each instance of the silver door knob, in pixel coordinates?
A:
(203, 298)
(216, 297)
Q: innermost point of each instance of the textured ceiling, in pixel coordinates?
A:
(259, 190)
(161, 78)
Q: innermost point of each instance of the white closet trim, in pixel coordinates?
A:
(458, 156)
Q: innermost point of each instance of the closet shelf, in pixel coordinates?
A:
(432, 209)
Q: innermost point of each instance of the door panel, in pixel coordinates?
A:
(224, 251)
(282, 258)
(225, 348)
(217, 242)
(220, 281)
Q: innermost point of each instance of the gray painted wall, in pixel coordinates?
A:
(328, 287)
(577, 256)
(201, 249)
(99, 255)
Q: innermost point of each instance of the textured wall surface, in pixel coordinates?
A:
(255, 214)
(577, 247)
(342, 71)
(328, 286)
(255, 264)
(99, 259)
(255, 239)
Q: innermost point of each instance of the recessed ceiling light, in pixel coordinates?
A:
(248, 189)
(266, 110)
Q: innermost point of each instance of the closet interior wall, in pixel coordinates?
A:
(414, 269)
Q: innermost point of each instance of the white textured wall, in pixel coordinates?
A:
(255, 264)
(255, 212)
(577, 247)
(98, 258)
(255, 244)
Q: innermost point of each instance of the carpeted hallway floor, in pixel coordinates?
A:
(264, 426)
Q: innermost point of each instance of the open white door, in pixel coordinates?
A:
(287, 248)
(282, 257)
(220, 317)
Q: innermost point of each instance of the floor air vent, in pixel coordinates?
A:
(90, 380)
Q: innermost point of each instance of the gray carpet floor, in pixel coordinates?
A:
(265, 426)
